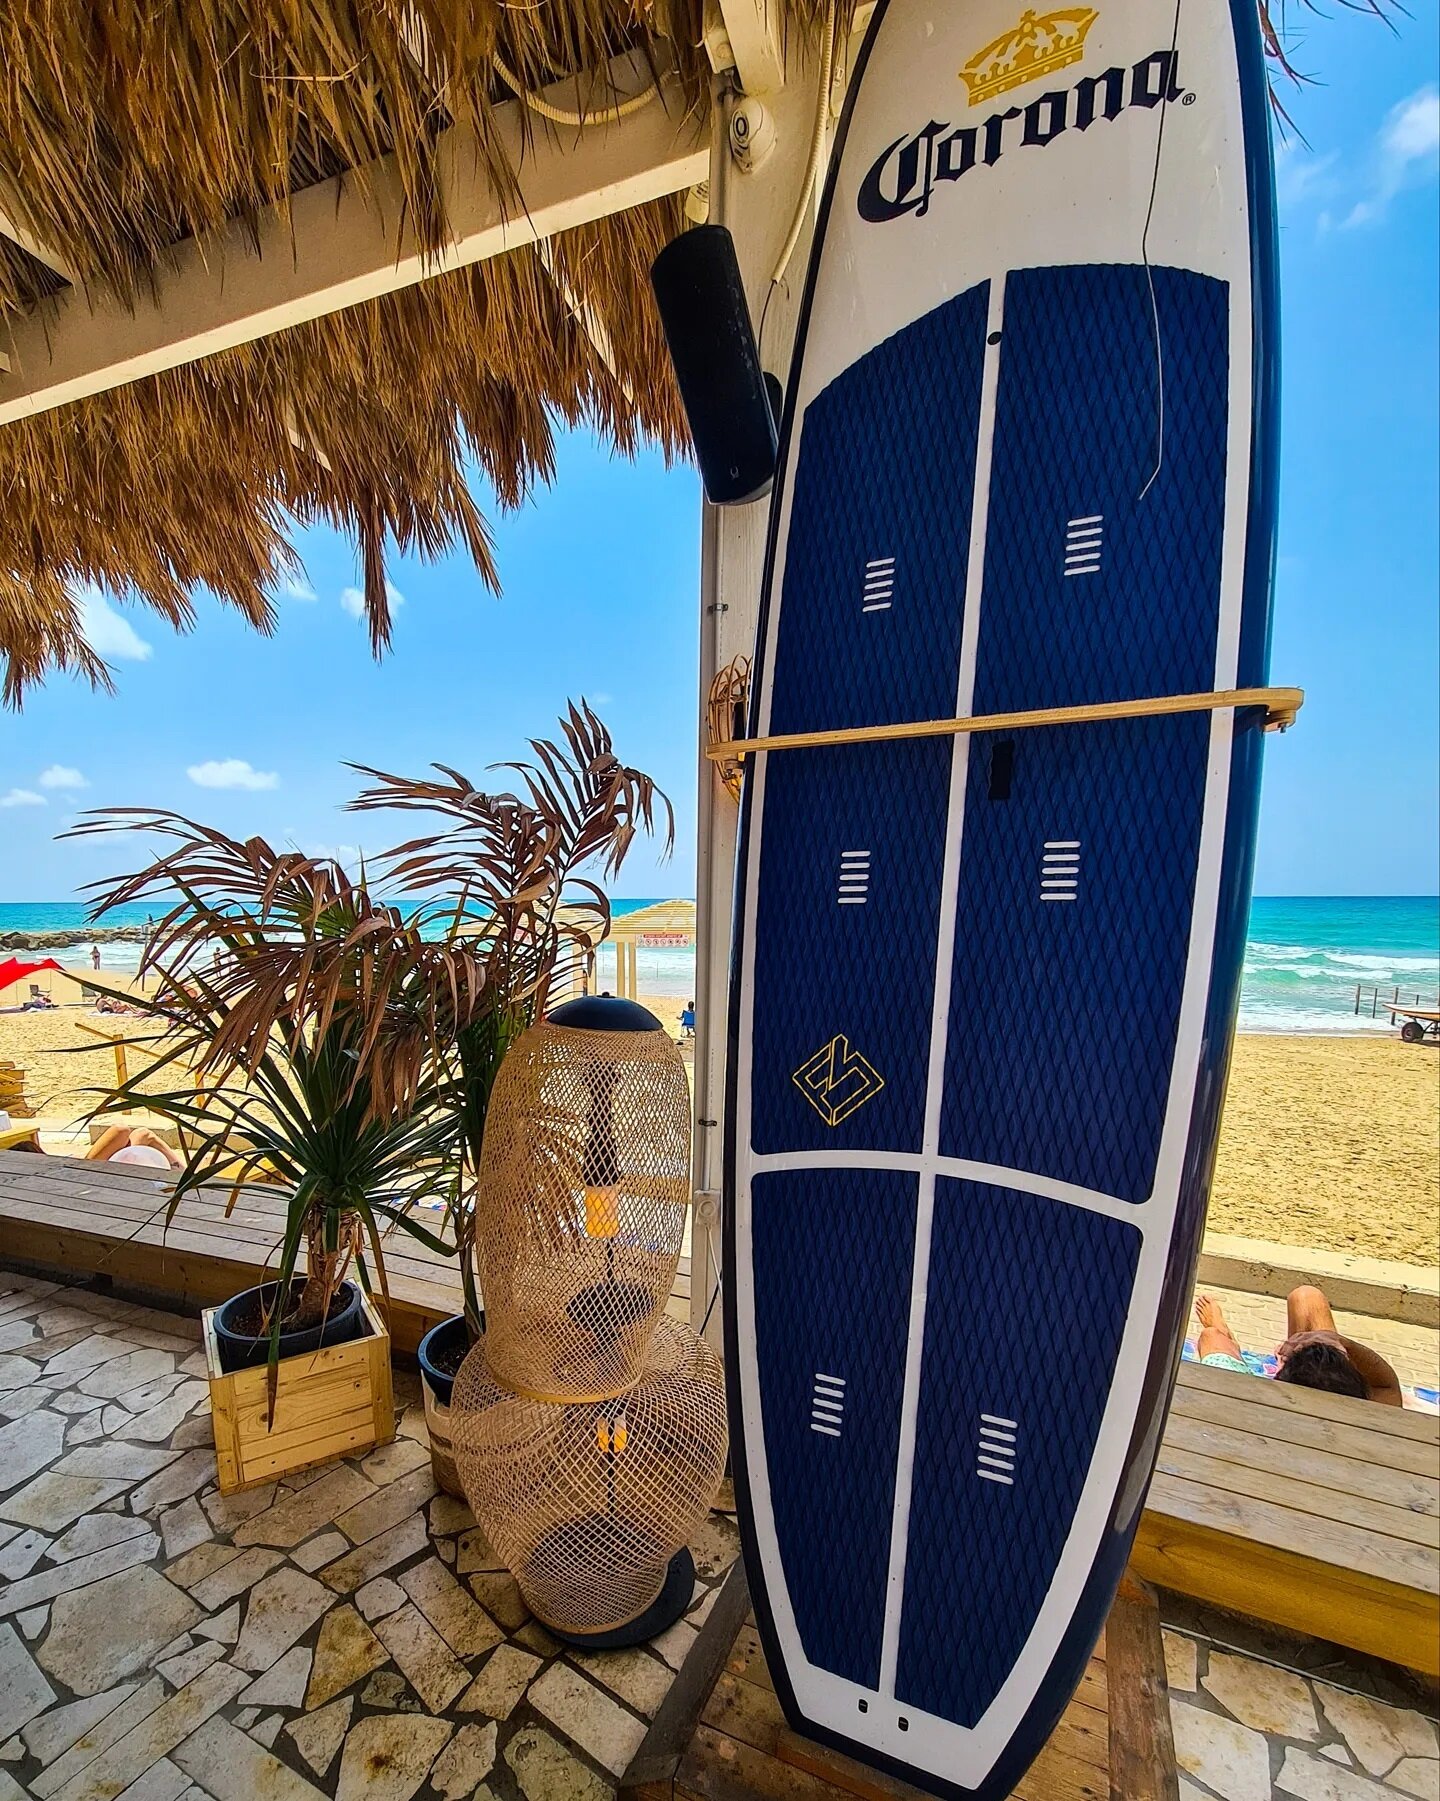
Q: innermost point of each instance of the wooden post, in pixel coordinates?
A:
(1142, 1749)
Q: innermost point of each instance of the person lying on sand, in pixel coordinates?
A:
(126, 1144)
(1314, 1355)
(106, 1005)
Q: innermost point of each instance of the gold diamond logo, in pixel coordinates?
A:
(837, 1080)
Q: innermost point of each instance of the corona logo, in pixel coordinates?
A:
(1039, 45)
(837, 1080)
(903, 178)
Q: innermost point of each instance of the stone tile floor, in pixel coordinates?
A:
(350, 1633)
(347, 1632)
(1250, 1730)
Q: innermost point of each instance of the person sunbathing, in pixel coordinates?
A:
(1314, 1355)
(107, 1004)
(133, 1144)
(124, 1144)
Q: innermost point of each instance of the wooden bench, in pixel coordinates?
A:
(85, 1219)
(1307, 1510)
(720, 1735)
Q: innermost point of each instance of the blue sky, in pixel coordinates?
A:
(601, 581)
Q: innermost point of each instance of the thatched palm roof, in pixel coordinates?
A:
(127, 126)
(130, 126)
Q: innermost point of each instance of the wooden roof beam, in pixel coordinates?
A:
(583, 313)
(343, 242)
(748, 37)
(11, 227)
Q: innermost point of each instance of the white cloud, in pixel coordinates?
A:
(1299, 177)
(296, 587)
(231, 772)
(107, 631)
(22, 797)
(60, 775)
(353, 601)
(349, 855)
(1407, 151)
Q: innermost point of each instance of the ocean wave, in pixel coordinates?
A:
(1309, 1022)
(1376, 965)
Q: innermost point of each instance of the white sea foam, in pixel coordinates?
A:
(1382, 966)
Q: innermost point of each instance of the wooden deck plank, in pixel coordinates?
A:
(742, 1748)
(1353, 1438)
(426, 1284)
(1141, 1745)
(1303, 1498)
(1327, 1544)
(1372, 1484)
(1177, 1547)
(92, 1219)
(1285, 1398)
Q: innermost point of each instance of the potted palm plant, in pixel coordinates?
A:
(513, 862)
(309, 1028)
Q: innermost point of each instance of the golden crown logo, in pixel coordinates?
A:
(1040, 44)
(837, 1080)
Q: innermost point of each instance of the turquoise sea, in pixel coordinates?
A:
(1303, 958)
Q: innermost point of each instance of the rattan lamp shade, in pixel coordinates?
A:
(587, 1502)
(584, 1183)
(589, 1427)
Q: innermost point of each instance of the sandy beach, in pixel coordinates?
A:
(56, 1083)
(1329, 1142)
(1334, 1143)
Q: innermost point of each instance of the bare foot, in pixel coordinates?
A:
(1209, 1312)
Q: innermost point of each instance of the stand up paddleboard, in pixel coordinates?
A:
(985, 984)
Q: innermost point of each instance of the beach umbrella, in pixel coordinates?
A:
(13, 970)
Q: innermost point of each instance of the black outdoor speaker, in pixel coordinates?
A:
(707, 326)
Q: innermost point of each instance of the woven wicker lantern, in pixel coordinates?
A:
(584, 1183)
(589, 1427)
(590, 1503)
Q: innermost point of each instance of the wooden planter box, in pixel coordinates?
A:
(327, 1403)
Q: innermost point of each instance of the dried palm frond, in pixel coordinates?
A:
(259, 948)
(510, 869)
(127, 127)
(515, 863)
(337, 1019)
(388, 401)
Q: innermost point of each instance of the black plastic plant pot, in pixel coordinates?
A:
(436, 1353)
(240, 1348)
